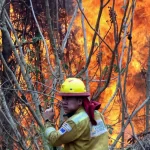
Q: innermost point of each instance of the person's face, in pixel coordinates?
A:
(71, 104)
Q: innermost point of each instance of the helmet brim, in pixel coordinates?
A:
(86, 94)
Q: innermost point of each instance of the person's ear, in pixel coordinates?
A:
(80, 101)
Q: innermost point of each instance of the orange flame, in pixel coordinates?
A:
(135, 81)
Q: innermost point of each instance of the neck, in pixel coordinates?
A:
(69, 114)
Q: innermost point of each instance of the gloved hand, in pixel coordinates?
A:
(48, 114)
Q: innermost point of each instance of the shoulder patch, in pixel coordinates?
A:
(79, 117)
(98, 129)
(64, 128)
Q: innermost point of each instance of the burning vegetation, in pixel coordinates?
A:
(105, 43)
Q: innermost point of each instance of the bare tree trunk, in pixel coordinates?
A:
(6, 84)
(148, 92)
(85, 47)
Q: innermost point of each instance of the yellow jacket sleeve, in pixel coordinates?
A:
(67, 133)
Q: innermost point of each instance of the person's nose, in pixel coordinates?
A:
(64, 102)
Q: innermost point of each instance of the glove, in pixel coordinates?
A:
(49, 114)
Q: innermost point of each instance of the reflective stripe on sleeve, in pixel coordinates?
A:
(79, 117)
(49, 130)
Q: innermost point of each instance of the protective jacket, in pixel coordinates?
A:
(77, 133)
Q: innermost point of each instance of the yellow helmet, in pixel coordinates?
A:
(73, 87)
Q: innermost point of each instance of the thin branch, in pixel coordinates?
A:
(85, 46)
(111, 99)
(128, 121)
(22, 64)
(136, 137)
(19, 88)
(106, 3)
(69, 29)
(12, 123)
(94, 37)
(6, 130)
(47, 51)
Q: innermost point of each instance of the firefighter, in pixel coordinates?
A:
(85, 128)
